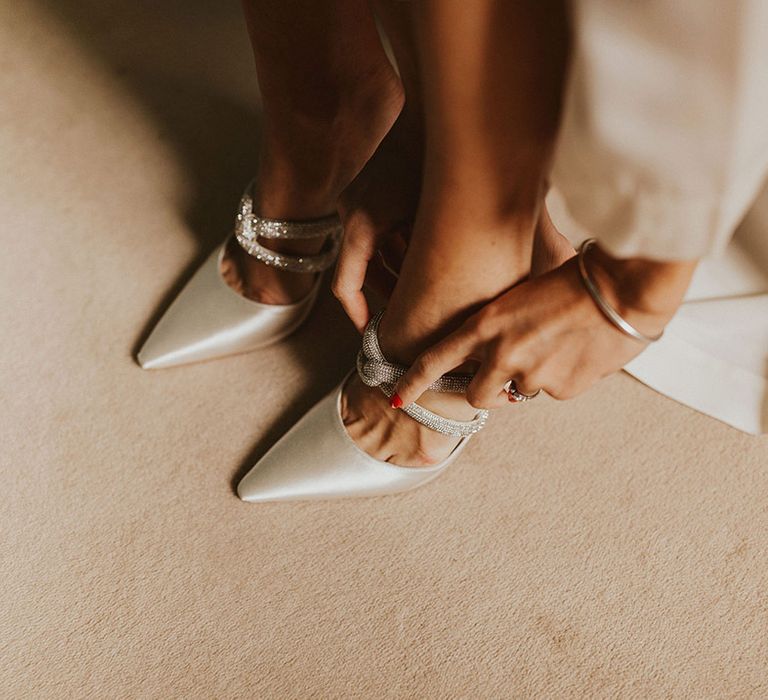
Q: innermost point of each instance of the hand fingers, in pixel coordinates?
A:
(431, 365)
(486, 390)
(357, 249)
(523, 385)
(379, 278)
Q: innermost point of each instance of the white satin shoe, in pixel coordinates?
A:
(209, 319)
(316, 458)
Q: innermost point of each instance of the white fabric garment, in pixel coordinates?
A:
(664, 155)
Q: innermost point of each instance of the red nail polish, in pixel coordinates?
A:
(395, 401)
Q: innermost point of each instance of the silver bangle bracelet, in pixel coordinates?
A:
(608, 311)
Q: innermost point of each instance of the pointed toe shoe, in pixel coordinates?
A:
(316, 459)
(209, 319)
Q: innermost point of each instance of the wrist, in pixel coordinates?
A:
(649, 291)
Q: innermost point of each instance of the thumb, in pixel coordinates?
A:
(357, 249)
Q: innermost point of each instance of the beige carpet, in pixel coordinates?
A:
(612, 546)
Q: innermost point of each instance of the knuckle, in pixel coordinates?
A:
(404, 388)
(500, 357)
(424, 363)
(341, 288)
(483, 324)
(359, 232)
(338, 288)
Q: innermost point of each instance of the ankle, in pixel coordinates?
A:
(430, 303)
(403, 337)
(404, 342)
(259, 282)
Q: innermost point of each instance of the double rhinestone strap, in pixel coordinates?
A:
(375, 370)
(249, 227)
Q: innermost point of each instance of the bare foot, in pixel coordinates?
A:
(392, 436)
(262, 283)
(303, 170)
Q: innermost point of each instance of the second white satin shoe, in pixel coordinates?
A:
(209, 319)
(316, 459)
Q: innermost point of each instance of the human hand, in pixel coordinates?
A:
(547, 333)
(377, 210)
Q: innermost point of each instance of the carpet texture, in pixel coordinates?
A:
(610, 546)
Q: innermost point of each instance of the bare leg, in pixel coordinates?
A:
(379, 206)
(492, 76)
(329, 96)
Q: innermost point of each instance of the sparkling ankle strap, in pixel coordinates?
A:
(249, 227)
(375, 370)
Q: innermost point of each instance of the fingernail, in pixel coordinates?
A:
(395, 401)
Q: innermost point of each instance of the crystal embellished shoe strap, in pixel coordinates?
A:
(249, 227)
(375, 370)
